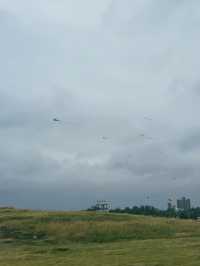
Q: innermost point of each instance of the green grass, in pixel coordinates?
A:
(87, 238)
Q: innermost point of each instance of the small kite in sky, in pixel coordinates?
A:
(148, 118)
(56, 120)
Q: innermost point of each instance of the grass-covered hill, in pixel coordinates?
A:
(89, 238)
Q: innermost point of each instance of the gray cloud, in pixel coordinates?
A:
(101, 78)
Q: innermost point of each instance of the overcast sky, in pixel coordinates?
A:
(123, 78)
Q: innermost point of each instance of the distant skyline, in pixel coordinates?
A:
(122, 78)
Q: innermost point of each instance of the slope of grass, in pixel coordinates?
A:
(86, 238)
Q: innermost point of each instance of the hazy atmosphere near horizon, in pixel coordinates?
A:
(99, 100)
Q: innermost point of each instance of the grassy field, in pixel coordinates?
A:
(38, 238)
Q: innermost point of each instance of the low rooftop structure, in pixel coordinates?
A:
(103, 205)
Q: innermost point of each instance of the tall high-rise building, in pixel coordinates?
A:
(171, 204)
(188, 204)
(183, 204)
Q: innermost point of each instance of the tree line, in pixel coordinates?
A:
(193, 213)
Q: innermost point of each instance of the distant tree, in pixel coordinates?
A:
(193, 213)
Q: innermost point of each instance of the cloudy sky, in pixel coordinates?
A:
(123, 78)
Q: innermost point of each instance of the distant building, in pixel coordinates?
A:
(183, 204)
(171, 205)
(103, 205)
